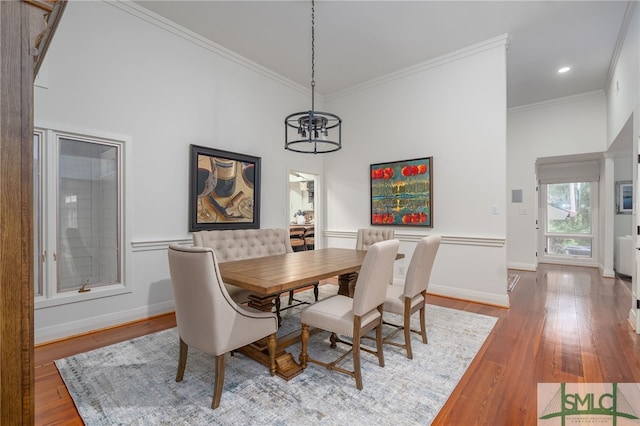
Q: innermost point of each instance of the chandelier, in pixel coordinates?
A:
(308, 131)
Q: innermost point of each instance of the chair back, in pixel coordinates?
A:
(368, 237)
(373, 278)
(205, 312)
(419, 271)
(239, 244)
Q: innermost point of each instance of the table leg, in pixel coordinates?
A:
(265, 304)
(286, 365)
(347, 283)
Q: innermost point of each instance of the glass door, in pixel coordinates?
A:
(568, 214)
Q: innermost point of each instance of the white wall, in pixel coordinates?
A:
(623, 104)
(453, 109)
(110, 71)
(564, 127)
(623, 92)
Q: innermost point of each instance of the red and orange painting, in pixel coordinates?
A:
(401, 193)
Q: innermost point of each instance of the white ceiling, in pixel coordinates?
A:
(357, 41)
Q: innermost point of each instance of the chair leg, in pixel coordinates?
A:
(217, 389)
(304, 337)
(407, 335)
(272, 345)
(423, 327)
(182, 360)
(357, 371)
(316, 291)
(379, 344)
(290, 297)
(407, 330)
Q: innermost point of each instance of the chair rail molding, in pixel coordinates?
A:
(414, 238)
(154, 245)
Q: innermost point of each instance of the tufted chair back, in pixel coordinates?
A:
(244, 243)
(368, 237)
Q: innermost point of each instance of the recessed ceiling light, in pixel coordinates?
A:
(564, 69)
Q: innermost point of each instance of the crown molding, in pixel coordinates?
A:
(559, 101)
(215, 48)
(493, 43)
(622, 35)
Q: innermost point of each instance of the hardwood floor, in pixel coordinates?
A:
(565, 324)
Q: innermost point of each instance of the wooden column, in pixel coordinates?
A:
(23, 40)
(16, 240)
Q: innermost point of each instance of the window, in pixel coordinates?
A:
(78, 217)
(569, 221)
(568, 211)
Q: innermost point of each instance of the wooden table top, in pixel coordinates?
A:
(276, 274)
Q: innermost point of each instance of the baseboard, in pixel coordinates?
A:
(633, 314)
(470, 295)
(633, 320)
(61, 331)
(521, 266)
(607, 273)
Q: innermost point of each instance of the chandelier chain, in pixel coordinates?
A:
(312, 127)
(313, 42)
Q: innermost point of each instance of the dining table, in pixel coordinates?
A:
(269, 276)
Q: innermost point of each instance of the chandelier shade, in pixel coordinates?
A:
(308, 132)
(314, 130)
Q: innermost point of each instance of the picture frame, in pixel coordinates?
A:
(224, 190)
(624, 197)
(402, 193)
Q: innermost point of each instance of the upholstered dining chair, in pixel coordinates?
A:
(408, 297)
(354, 317)
(367, 237)
(208, 318)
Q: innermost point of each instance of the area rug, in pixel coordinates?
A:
(512, 280)
(133, 382)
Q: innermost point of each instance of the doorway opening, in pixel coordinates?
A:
(302, 210)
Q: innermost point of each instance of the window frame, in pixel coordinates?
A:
(49, 155)
(567, 259)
